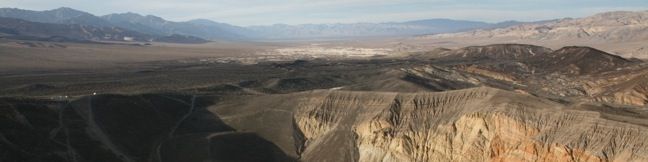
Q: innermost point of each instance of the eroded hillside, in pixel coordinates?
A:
(504, 102)
(478, 124)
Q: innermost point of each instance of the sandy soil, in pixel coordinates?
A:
(99, 56)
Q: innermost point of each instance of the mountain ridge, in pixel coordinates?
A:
(209, 29)
(62, 15)
(27, 30)
(612, 26)
(606, 26)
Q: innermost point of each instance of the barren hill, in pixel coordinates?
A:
(610, 26)
(622, 33)
(582, 60)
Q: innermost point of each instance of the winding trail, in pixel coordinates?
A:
(101, 135)
(187, 115)
(177, 125)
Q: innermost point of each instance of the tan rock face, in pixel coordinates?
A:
(630, 89)
(479, 124)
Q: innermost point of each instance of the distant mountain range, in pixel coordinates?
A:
(623, 33)
(22, 29)
(66, 24)
(369, 29)
(75, 24)
(618, 26)
(151, 27)
(158, 26)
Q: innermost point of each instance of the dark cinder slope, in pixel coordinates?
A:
(160, 127)
(582, 60)
(497, 52)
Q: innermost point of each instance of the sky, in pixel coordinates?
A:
(267, 12)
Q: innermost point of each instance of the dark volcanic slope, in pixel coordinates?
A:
(581, 60)
(160, 127)
(572, 60)
(497, 52)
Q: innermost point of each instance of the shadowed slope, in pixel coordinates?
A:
(152, 127)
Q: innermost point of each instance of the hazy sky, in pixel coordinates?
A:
(263, 12)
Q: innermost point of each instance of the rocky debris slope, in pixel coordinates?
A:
(628, 90)
(497, 52)
(570, 73)
(479, 124)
